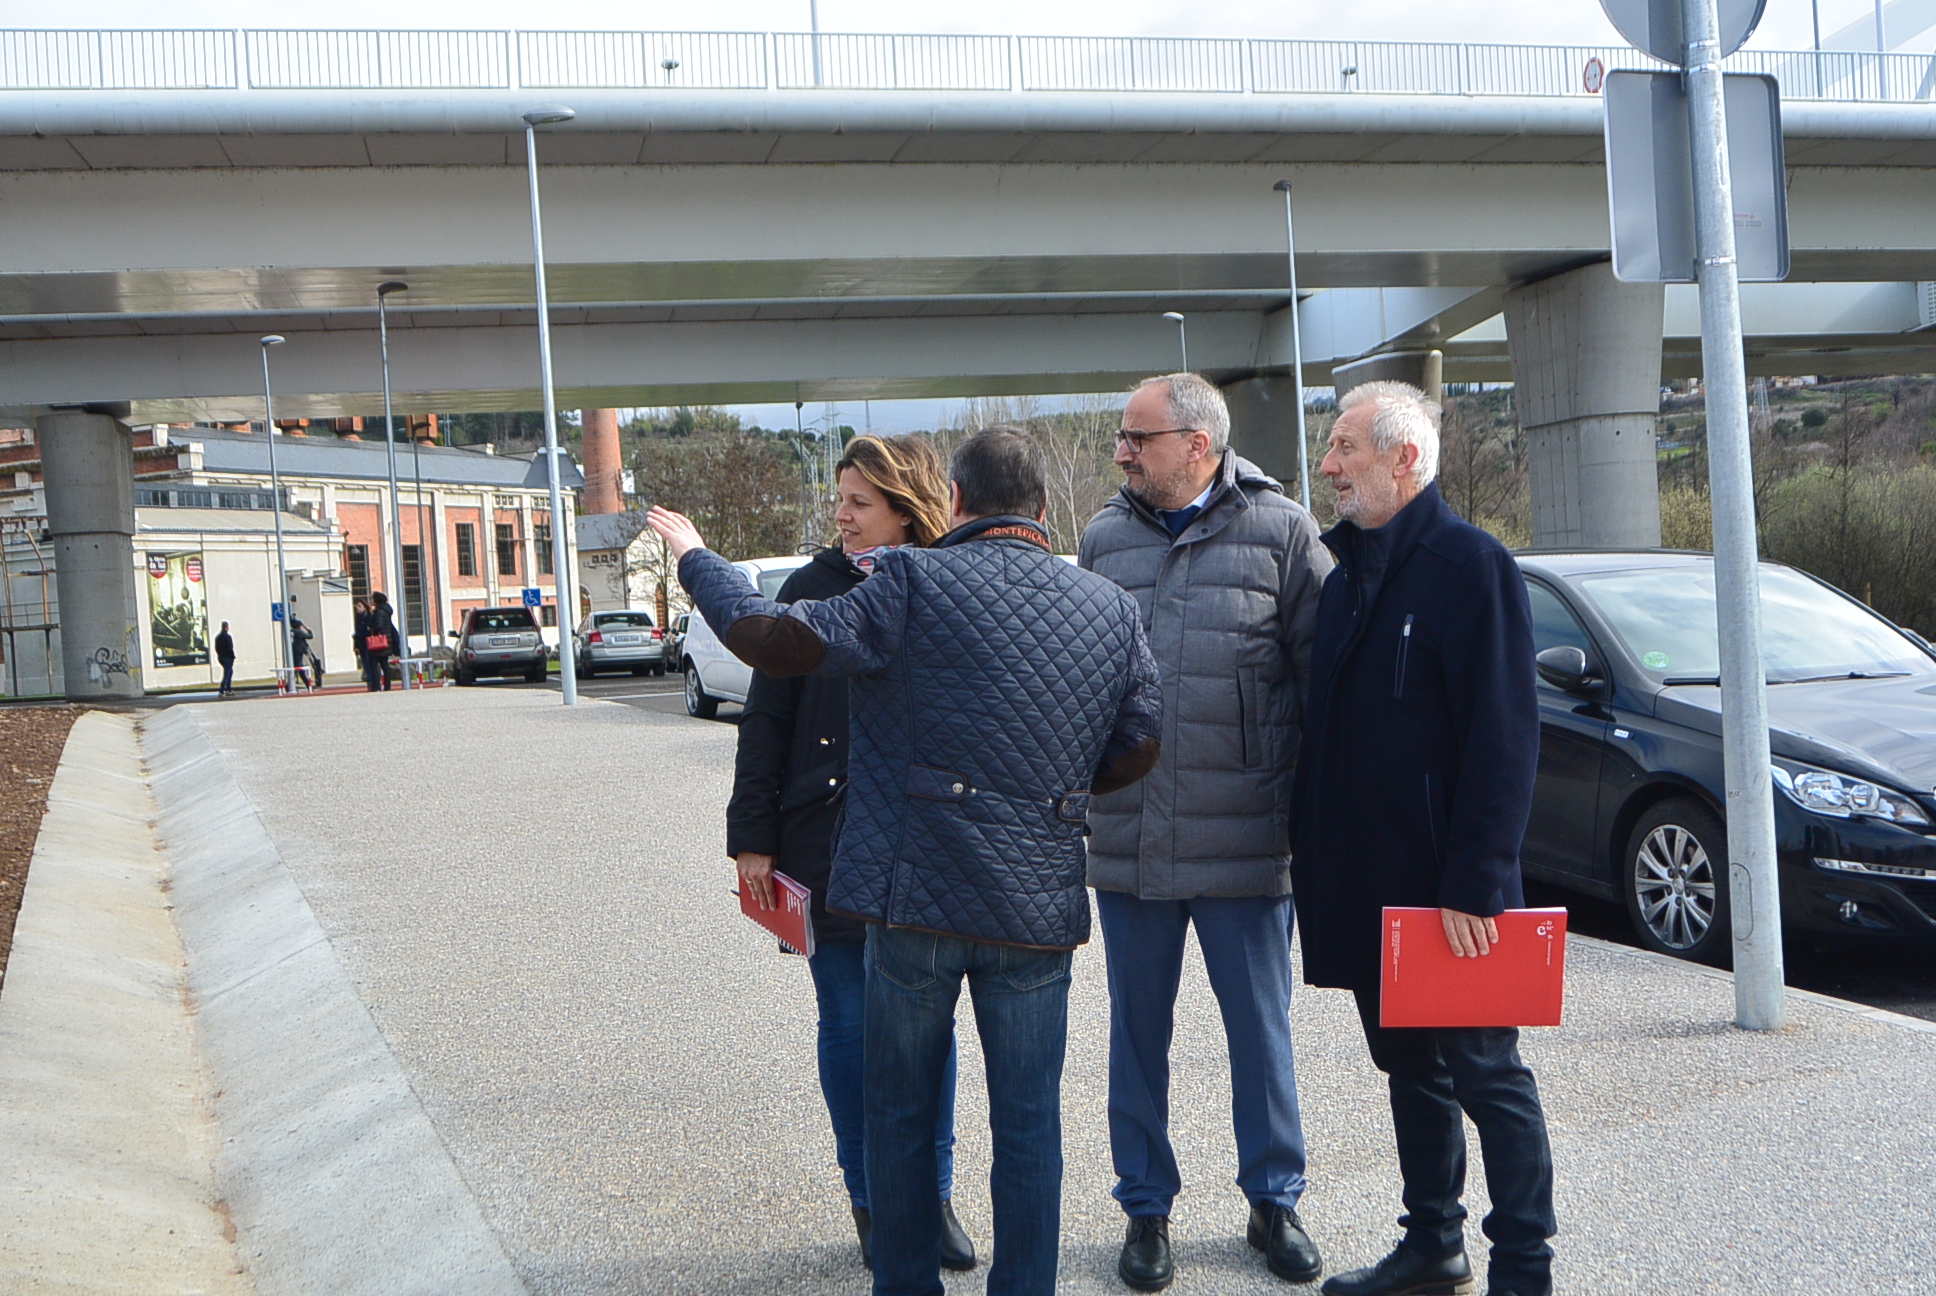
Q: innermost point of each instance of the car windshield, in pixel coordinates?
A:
(1666, 616)
(501, 619)
(608, 619)
(771, 580)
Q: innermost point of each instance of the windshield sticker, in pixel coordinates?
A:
(1655, 661)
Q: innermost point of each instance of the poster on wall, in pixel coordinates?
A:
(178, 609)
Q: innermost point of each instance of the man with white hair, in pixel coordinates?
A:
(1226, 570)
(1420, 747)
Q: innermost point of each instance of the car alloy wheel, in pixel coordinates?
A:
(699, 703)
(1676, 881)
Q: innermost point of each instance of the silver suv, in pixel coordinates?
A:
(500, 641)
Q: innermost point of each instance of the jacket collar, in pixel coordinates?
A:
(1225, 503)
(1368, 555)
(1000, 527)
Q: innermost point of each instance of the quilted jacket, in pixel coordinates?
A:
(1230, 605)
(995, 686)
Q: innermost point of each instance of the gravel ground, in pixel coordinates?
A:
(31, 741)
(535, 905)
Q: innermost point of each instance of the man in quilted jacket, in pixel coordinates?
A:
(1227, 572)
(993, 689)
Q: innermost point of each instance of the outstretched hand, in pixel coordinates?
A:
(678, 530)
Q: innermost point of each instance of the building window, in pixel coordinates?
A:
(550, 617)
(238, 499)
(417, 608)
(194, 499)
(466, 549)
(357, 559)
(541, 536)
(507, 549)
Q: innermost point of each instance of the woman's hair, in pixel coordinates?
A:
(907, 470)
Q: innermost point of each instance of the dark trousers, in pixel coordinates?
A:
(376, 671)
(1246, 947)
(1435, 1074)
(1021, 999)
(228, 674)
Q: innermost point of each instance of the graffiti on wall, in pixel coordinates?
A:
(103, 664)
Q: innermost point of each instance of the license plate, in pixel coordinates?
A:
(628, 640)
(504, 641)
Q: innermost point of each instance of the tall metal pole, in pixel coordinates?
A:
(1759, 999)
(813, 14)
(1297, 353)
(1182, 336)
(287, 642)
(561, 580)
(399, 604)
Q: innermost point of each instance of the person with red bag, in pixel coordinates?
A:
(376, 633)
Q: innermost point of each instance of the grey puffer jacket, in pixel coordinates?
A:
(1230, 606)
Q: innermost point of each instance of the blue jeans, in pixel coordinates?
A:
(228, 674)
(1021, 999)
(840, 985)
(1246, 944)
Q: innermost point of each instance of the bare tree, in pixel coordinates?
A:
(741, 488)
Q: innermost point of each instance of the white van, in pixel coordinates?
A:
(714, 675)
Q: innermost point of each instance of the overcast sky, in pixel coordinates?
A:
(1785, 26)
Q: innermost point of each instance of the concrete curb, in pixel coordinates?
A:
(1882, 1015)
(335, 1176)
(107, 1137)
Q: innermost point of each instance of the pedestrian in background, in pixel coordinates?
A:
(1226, 571)
(300, 652)
(1413, 790)
(225, 654)
(995, 688)
(357, 624)
(792, 771)
(378, 630)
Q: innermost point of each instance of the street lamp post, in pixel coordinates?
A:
(560, 550)
(1182, 336)
(1297, 353)
(383, 291)
(275, 490)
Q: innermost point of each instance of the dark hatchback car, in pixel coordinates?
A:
(1630, 799)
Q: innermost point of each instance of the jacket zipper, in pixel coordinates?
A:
(1404, 653)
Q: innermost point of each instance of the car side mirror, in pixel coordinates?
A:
(1566, 668)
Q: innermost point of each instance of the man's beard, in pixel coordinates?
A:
(1380, 501)
(1165, 492)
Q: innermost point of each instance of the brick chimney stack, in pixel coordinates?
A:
(604, 473)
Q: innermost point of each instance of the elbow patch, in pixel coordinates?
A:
(1130, 766)
(780, 646)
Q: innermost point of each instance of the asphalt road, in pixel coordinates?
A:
(535, 905)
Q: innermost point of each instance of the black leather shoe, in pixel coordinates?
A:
(864, 1225)
(1406, 1273)
(1145, 1263)
(957, 1248)
(1287, 1248)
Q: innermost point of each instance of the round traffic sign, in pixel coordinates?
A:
(1595, 76)
(1655, 25)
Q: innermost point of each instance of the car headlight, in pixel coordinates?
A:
(1843, 796)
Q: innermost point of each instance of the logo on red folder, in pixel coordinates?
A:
(1522, 982)
(791, 920)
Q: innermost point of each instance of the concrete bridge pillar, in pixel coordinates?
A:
(1263, 424)
(87, 465)
(1422, 369)
(1586, 375)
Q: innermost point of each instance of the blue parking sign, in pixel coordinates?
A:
(533, 598)
(275, 611)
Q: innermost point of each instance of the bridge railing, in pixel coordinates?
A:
(260, 59)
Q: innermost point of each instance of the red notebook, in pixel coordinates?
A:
(1520, 983)
(791, 921)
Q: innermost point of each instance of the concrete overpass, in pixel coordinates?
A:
(918, 218)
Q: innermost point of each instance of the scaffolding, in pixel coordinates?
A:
(25, 557)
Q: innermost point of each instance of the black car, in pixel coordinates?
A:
(1630, 798)
(501, 641)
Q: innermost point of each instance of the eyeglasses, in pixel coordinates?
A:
(1136, 441)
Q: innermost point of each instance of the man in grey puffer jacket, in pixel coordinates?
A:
(1226, 570)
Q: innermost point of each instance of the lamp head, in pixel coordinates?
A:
(391, 286)
(1282, 186)
(1173, 315)
(549, 115)
(274, 339)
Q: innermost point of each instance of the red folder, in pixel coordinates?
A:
(791, 921)
(1520, 983)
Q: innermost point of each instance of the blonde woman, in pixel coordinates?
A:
(791, 772)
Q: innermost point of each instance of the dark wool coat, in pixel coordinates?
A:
(1423, 736)
(1229, 605)
(995, 686)
(793, 761)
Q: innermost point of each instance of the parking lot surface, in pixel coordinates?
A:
(534, 902)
